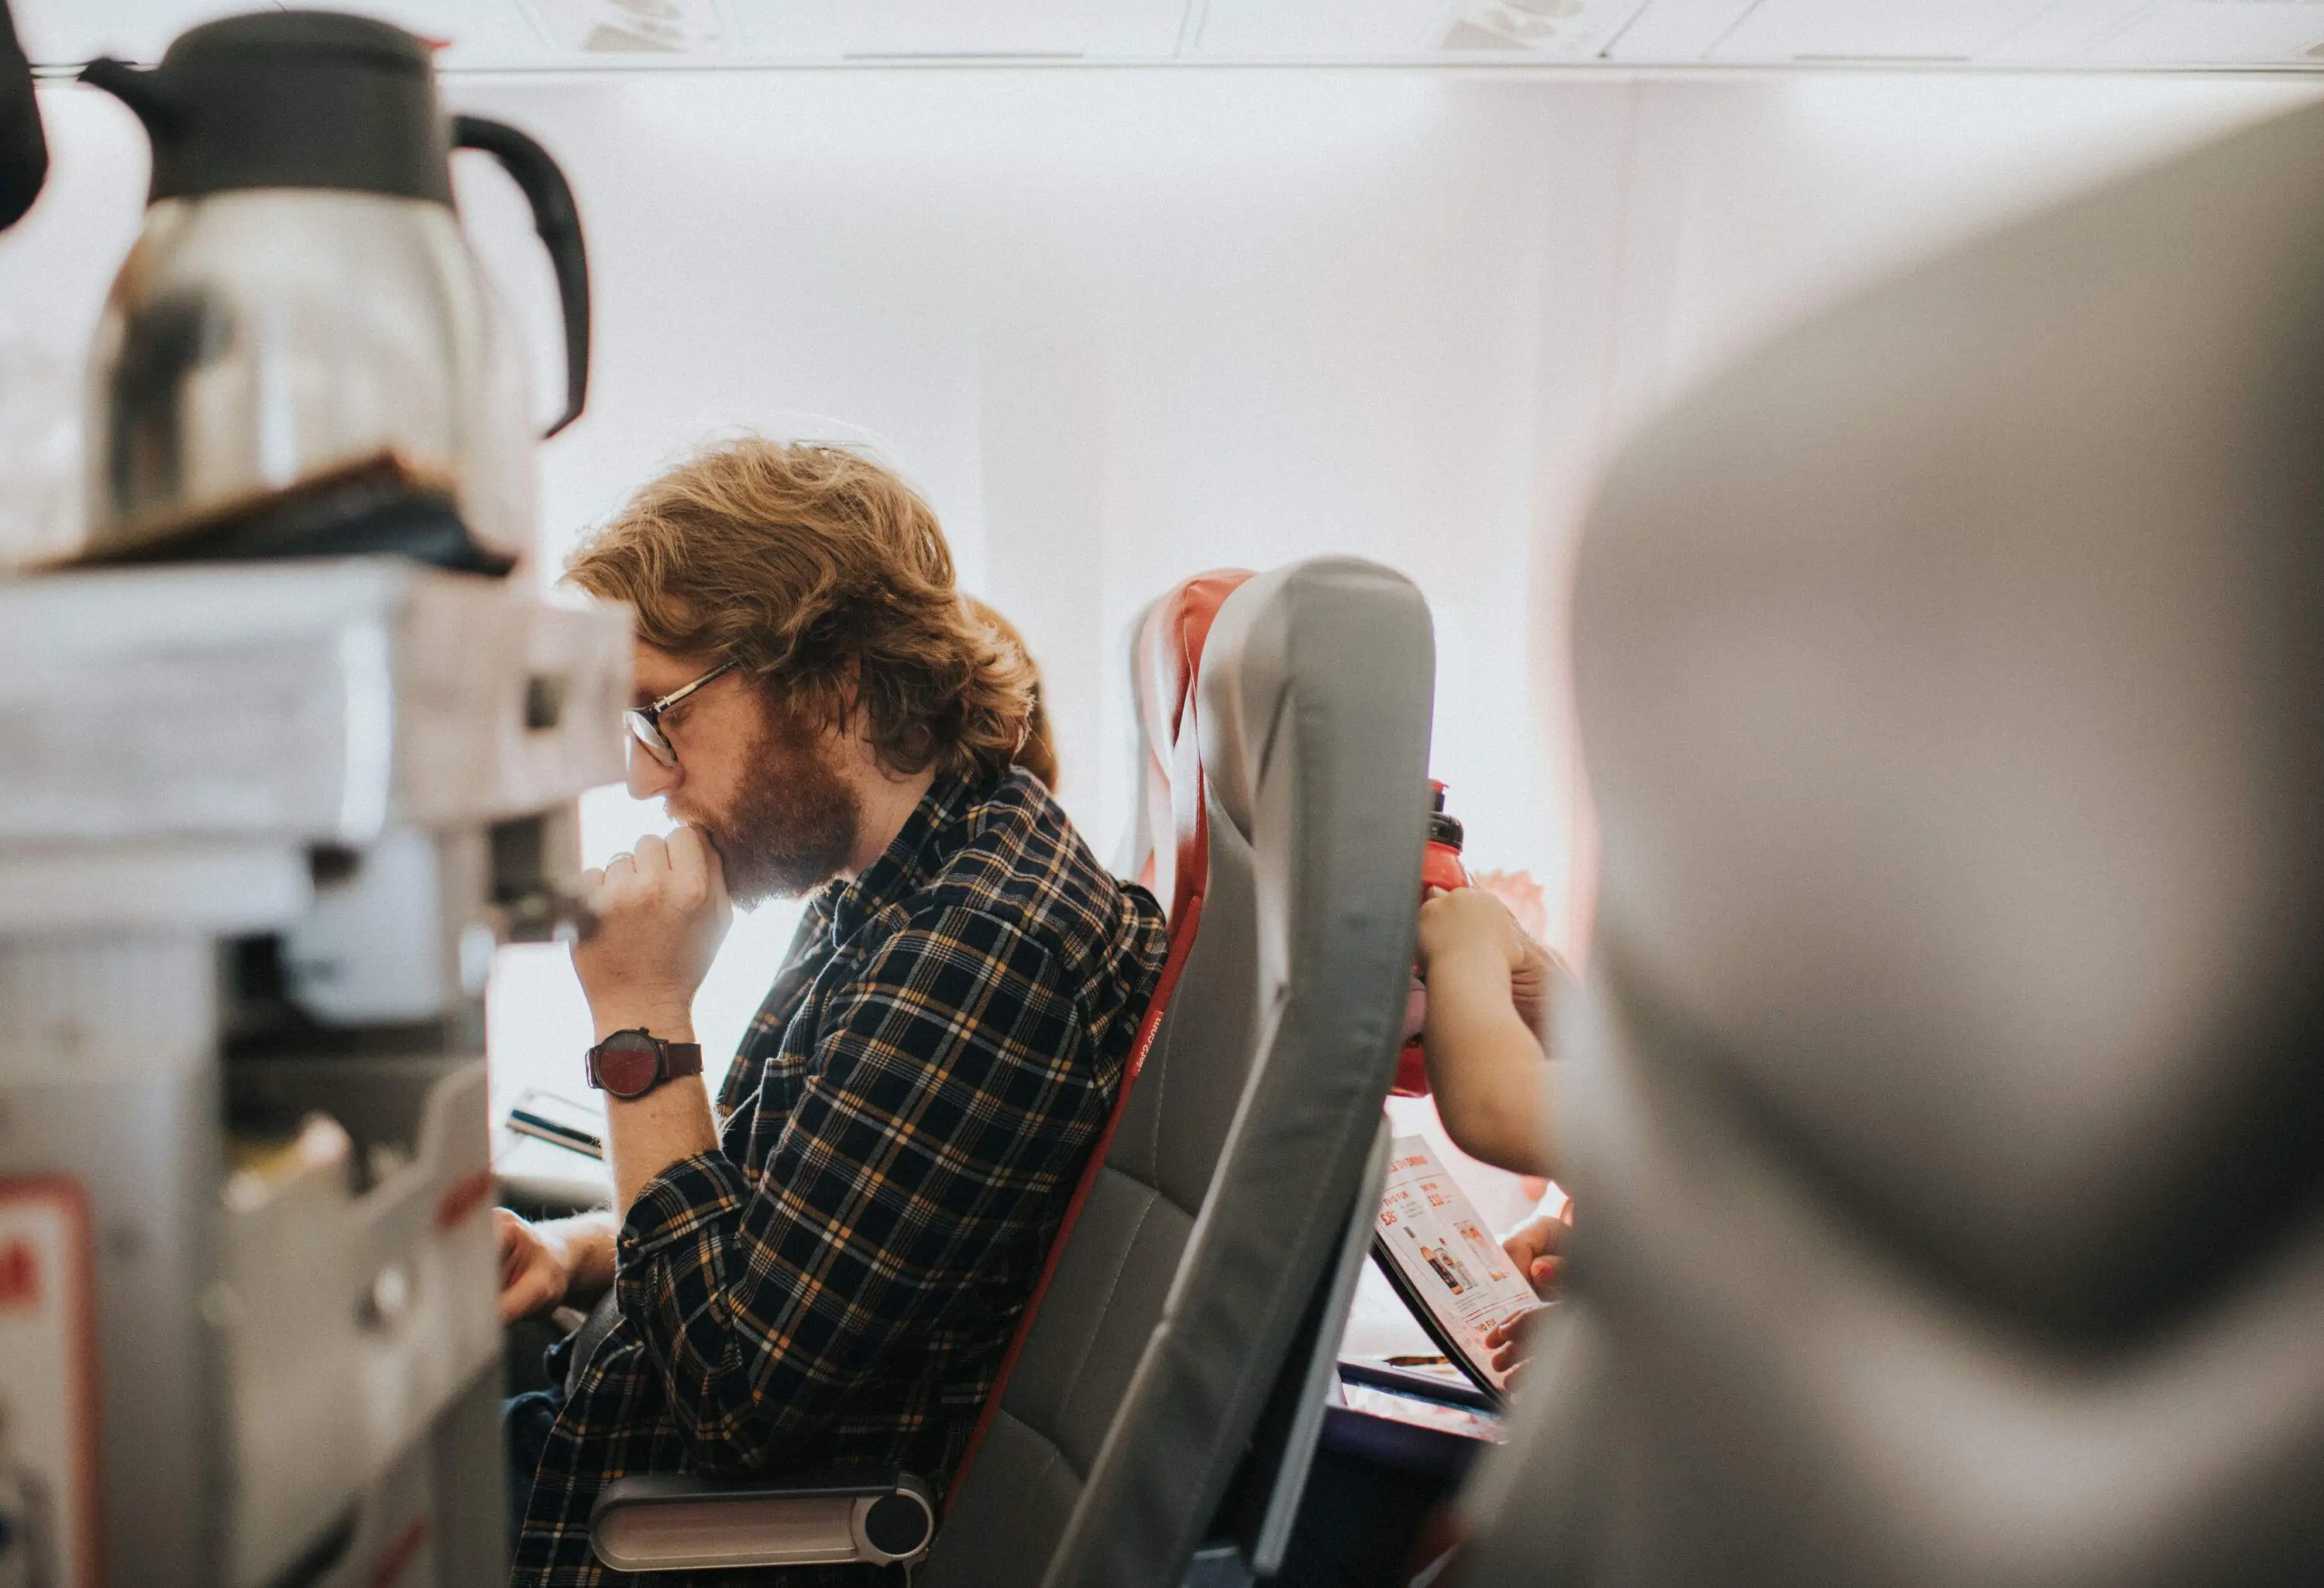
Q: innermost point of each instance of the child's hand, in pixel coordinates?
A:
(1511, 1342)
(1485, 1057)
(1537, 1247)
(1530, 981)
(1469, 921)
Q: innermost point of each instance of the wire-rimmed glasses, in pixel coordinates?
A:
(644, 722)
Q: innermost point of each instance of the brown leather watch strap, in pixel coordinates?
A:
(633, 1061)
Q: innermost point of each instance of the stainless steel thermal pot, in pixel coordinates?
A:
(302, 300)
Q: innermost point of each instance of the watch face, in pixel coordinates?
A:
(628, 1064)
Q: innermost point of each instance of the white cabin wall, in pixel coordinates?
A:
(1124, 325)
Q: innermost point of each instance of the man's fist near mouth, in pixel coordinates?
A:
(661, 911)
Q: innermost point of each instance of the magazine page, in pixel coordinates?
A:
(549, 1149)
(1444, 1260)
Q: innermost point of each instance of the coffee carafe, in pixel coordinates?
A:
(302, 319)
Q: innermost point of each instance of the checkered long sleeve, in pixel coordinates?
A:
(945, 1110)
(836, 1285)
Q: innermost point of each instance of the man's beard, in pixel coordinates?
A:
(794, 822)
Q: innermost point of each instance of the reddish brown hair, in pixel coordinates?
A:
(799, 562)
(1038, 753)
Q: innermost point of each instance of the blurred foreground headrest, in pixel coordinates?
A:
(1952, 673)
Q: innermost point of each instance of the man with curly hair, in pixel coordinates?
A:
(827, 1270)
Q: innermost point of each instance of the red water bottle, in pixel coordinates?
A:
(1440, 867)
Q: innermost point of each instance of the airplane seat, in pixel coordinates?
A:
(1188, 1307)
(1165, 656)
(1155, 1424)
(1946, 1103)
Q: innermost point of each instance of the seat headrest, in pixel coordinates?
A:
(1254, 651)
(1170, 651)
(1952, 674)
(1166, 654)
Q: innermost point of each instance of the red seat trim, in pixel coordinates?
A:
(1169, 653)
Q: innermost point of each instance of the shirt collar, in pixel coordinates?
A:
(914, 857)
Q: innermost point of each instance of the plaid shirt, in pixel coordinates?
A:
(903, 1127)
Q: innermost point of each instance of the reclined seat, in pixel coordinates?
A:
(1167, 1387)
(1947, 1102)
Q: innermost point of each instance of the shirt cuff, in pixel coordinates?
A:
(677, 1203)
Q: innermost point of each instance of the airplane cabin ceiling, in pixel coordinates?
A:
(533, 36)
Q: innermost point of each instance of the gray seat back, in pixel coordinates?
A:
(1227, 1188)
(1947, 1104)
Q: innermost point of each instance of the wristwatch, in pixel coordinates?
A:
(630, 1064)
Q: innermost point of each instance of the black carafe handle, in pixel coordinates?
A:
(558, 222)
(23, 150)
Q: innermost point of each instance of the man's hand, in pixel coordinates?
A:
(552, 1264)
(661, 912)
(536, 1267)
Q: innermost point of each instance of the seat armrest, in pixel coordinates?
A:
(662, 1523)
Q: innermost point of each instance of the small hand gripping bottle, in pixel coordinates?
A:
(1440, 867)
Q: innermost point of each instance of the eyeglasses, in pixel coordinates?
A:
(644, 722)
